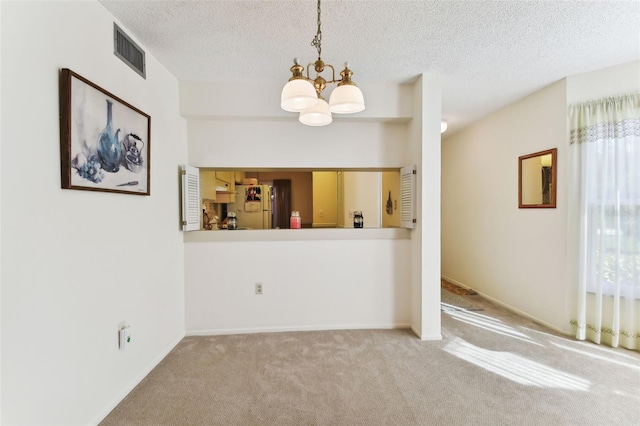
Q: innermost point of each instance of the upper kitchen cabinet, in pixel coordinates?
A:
(226, 186)
(208, 185)
(217, 186)
(227, 177)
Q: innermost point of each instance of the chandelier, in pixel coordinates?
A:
(304, 95)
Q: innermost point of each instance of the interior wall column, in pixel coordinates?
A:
(425, 151)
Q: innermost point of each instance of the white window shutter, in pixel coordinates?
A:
(408, 197)
(190, 198)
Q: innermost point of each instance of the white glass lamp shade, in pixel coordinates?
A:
(346, 99)
(317, 115)
(443, 126)
(298, 95)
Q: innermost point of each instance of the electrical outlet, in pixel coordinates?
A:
(124, 335)
(351, 213)
(321, 214)
(258, 288)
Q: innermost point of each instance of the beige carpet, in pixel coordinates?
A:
(491, 368)
(454, 301)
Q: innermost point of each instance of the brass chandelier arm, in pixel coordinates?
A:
(320, 83)
(314, 64)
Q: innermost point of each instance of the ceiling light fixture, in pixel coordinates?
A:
(304, 95)
(443, 126)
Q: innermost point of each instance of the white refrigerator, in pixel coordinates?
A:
(252, 206)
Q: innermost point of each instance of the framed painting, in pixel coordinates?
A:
(537, 179)
(104, 141)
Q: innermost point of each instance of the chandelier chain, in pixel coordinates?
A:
(304, 95)
(317, 40)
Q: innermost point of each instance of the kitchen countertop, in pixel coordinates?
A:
(297, 234)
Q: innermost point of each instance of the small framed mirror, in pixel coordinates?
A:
(537, 179)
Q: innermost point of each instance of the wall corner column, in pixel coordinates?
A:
(425, 151)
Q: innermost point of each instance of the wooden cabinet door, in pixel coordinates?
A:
(228, 177)
(208, 185)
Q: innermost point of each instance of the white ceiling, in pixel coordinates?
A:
(490, 53)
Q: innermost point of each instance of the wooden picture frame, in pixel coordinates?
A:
(104, 141)
(538, 180)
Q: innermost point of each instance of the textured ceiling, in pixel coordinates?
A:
(490, 53)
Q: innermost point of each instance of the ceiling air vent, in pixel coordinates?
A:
(127, 50)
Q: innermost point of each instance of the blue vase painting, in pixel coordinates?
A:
(109, 148)
(104, 140)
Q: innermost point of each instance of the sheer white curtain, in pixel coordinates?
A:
(605, 211)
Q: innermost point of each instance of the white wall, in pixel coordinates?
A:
(515, 256)
(258, 101)
(223, 134)
(425, 152)
(611, 81)
(0, 220)
(77, 263)
(308, 285)
(518, 257)
(289, 144)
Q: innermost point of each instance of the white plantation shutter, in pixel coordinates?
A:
(408, 196)
(190, 198)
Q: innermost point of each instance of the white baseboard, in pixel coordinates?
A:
(431, 337)
(509, 307)
(415, 331)
(133, 383)
(452, 281)
(253, 330)
(426, 337)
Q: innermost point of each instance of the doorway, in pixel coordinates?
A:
(281, 206)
